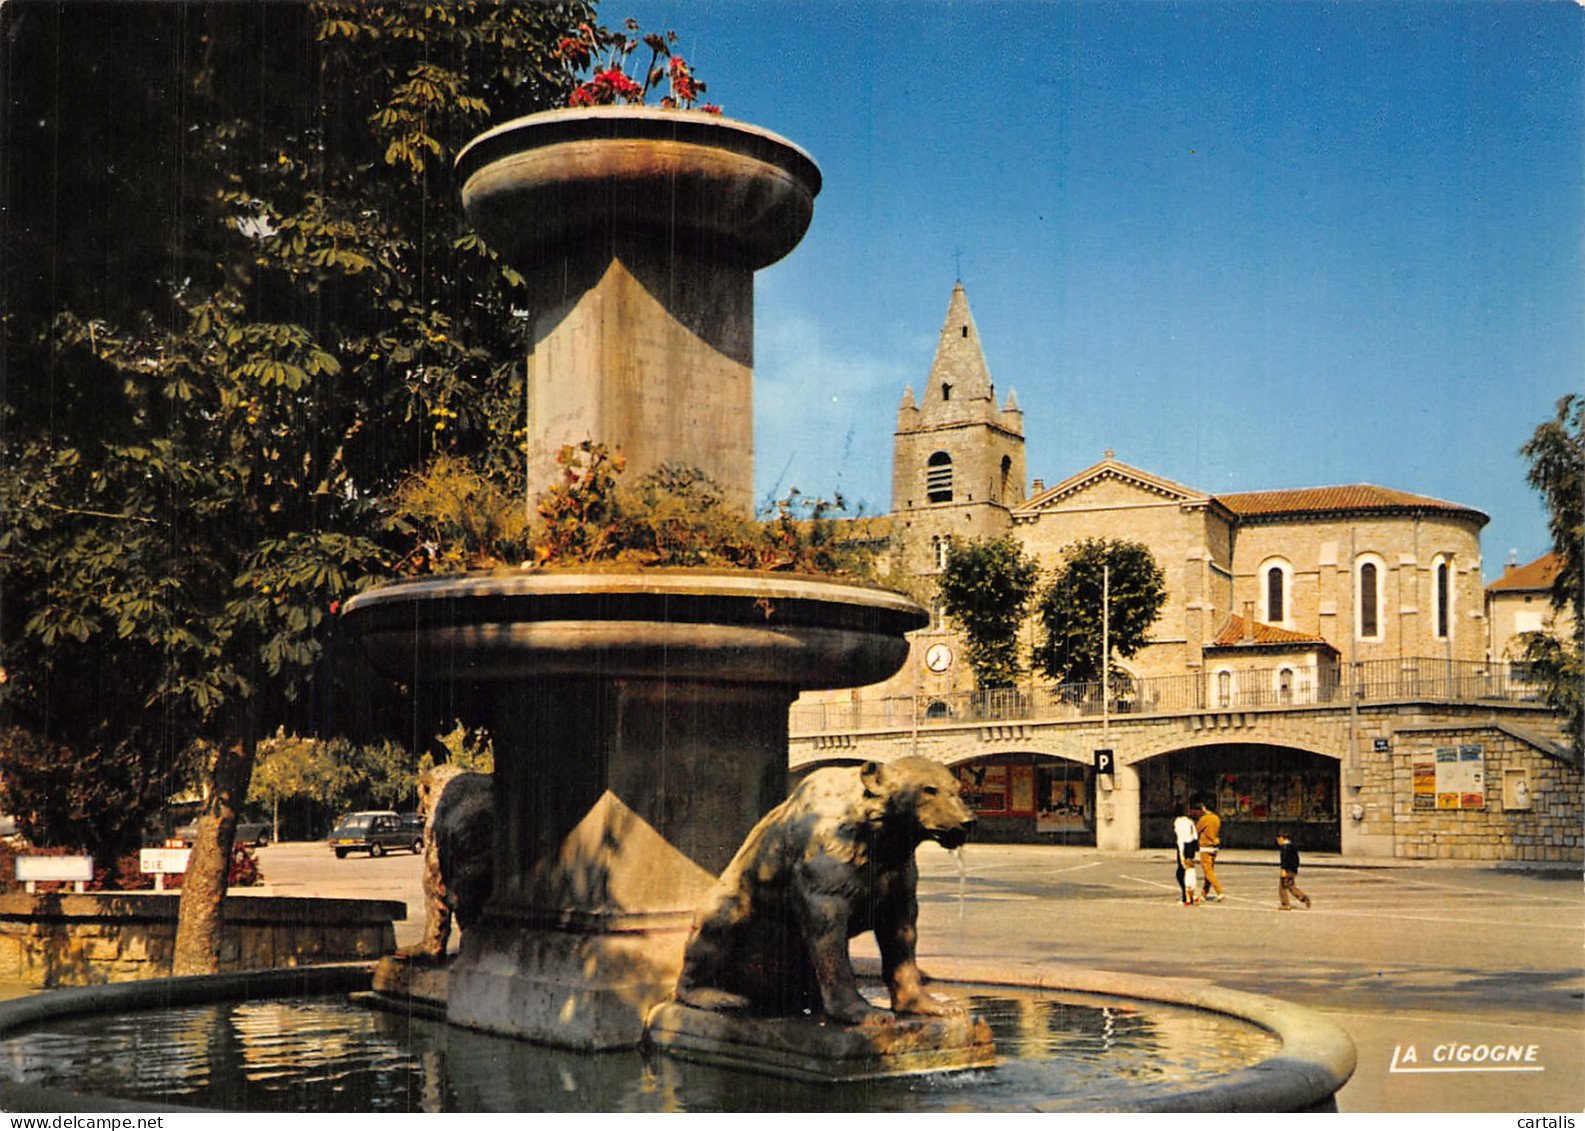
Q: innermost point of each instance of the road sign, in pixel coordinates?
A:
(32, 870)
(163, 861)
(1103, 762)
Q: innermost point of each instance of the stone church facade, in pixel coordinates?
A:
(1287, 600)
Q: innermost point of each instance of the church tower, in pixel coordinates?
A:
(958, 459)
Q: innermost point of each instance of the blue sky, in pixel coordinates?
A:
(1247, 246)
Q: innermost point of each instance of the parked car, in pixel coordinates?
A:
(374, 831)
(414, 823)
(256, 833)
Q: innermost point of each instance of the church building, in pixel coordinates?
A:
(1278, 602)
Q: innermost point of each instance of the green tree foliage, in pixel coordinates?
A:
(985, 589)
(241, 307)
(334, 773)
(1557, 469)
(1070, 607)
(470, 749)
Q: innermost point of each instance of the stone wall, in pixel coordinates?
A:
(1551, 829)
(62, 939)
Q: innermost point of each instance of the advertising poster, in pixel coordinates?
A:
(1447, 777)
(1471, 777)
(1424, 769)
(1022, 799)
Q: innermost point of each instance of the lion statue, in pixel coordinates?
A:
(833, 860)
(459, 852)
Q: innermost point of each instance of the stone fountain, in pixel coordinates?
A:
(640, 717)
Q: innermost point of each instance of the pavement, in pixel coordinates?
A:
(1422, 963)
(1434, 968)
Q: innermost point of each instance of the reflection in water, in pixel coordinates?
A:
(319, 1054)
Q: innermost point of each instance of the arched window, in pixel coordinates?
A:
(1442, 595)
(938, 710)
(940, 548)
(1006, 495)
(938, 478)
(1368, 578)
(1276, 592)
(1285, 685)
(1224, 688)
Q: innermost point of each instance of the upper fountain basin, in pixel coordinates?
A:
(793, 631)
(570, 175)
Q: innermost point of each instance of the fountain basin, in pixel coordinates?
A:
(640, 728)
(561, 175)
(1168, 1045)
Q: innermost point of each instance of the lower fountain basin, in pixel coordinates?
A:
(1172, 1045)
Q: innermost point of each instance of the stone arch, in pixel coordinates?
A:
(1022, 795)
(1259, 786)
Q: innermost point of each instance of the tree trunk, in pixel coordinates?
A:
(199, 929)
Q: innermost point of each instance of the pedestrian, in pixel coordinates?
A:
(1287, 883)
(1208, 829)
(1187, 845)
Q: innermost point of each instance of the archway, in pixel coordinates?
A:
(1027, 798)
(1257, 789)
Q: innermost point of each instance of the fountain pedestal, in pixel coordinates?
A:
(637, 232)
(640, 725)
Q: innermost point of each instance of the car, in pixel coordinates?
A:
(414, 823)
(374, 831)
(255, 833)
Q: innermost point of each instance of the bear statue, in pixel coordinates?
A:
(833, 860)
(459, 852)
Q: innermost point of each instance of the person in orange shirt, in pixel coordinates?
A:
(1209, 827)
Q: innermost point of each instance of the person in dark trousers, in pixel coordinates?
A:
(1287, 884)
(1183, 834)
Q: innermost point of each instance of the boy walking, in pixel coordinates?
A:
(1287, 884)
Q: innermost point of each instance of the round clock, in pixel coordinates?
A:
(938, 658)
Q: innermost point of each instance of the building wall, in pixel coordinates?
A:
(1324, 554)
(1551, 828)
(1511, 614)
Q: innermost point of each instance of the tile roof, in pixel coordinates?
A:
(1331, 500)
(1231, 634)
(1538, 574)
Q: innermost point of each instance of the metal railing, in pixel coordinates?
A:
(1423, 679)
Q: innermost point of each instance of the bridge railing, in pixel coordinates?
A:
(1374, 681)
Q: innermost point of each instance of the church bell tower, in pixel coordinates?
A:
(958, 459)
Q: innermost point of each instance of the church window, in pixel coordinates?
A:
(965, 331)
(1442, 579)
(1367, 598)
(938, 478)
(1276, 592)
(940, 547)
(1006, 493)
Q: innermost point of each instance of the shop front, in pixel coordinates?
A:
(1256, 789)
(1029, 799)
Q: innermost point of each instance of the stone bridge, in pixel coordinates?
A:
(1371, 742)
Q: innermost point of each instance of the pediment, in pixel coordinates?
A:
(1111, 484)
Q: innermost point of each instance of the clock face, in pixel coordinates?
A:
(938, 658)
